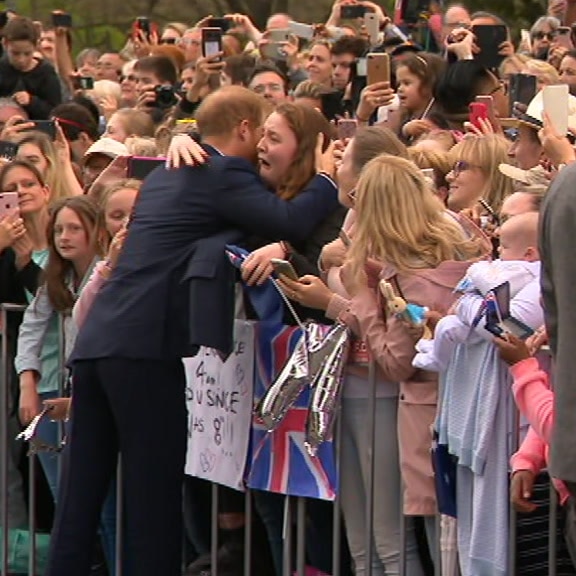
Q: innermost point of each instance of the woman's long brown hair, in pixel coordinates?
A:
(306, 123)
(58, 269)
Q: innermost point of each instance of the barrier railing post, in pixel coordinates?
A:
(5, 405)
(552, 531)
(512, 553)
(287, 538)
(214, 531)
(336, 528)
(301, 537)
(248, 533)
(4, 408)
(32, 515)
(371, 440)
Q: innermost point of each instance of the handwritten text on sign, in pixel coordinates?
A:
(219, 398)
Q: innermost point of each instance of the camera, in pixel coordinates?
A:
(165, 96)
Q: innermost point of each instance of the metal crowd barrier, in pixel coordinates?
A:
(298, 518)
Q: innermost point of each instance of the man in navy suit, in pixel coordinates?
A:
(128, 376)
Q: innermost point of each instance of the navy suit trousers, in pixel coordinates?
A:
(135, 408)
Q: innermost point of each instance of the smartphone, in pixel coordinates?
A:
(83, 82)
(563, 37)
(223, 23)
(478, 111)
(526, 39)
(48, 127)
(522, 89)
(284, 267)
(139, 166)
(305, 31)
(372, 24)
(61, 20)
(499, 320)
(488, 40)
(489, 102)
(332, 105)
(351, 12)
(555, 99)
(211, 41)
(8, 203)
(273, 51)
(347, 128)
(377, 67)
(8, 150)
(143, 24)
(280, 35)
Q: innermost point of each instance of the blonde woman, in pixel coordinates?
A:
(402, 234)
(128, 122)
(106, 94)
(436, 160)
(475, 175)
(52, 160)
(546, 74)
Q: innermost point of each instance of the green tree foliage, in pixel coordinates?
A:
(106, 23)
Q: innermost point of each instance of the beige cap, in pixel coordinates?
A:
(537, 176)
(106, 147)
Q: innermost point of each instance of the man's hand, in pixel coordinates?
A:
(21, 98)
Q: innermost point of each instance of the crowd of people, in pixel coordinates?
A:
(367, 148)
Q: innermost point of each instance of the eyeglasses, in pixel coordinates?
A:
(171, 41)
(188, 42)
(541, 35)
(352, 194)
(501, 86)
(462, 166)
(273, 87)
(129, 78)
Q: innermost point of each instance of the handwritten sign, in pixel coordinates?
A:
(219, 396)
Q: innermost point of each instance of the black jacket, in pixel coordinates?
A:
(42, 83)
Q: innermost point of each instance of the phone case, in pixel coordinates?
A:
(305, 31)
(378, 68)
(8, 203)
(347, 128)
(282, 35)
(352, 12)
(555, 99)
(488, 101)
(211, 41)
(140, 167)
(284, 267)
(372, 27)
(478, 110)
(488, 40)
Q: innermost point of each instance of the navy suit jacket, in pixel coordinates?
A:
(144, 310)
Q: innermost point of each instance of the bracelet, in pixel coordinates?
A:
(286, 248)
(362, 120)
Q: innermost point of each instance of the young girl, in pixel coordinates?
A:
(128, 122)
(72, 251)
(116, 205)
(416, 77)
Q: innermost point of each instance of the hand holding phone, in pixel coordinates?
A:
(9, 205)
(211, 41)
(478, 112)
(347, 128)
(61, 19)
(378, 67)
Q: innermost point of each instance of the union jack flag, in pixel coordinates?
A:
(279, 461)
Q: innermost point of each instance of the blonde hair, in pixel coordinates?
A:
(135, 122)
(487, 153)
(545, 73)
(400, 221)
(141, 146)
(426, 158)
(443, 139)
(107, 193)
(59, 187)
(105, 88)
(513, 64)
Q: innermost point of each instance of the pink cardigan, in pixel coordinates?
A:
(536, 401)
(86, 298)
